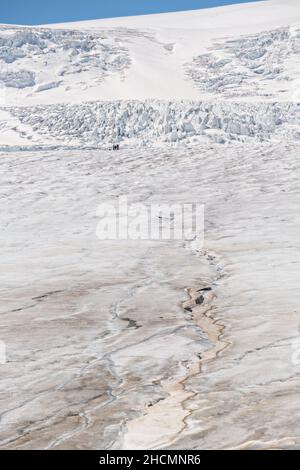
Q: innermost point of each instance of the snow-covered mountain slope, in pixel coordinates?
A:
(151, 343)
(248, 51)
(98, 124)
(218, 74)
(111, 359)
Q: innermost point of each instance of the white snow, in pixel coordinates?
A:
(206, 107)
(249, 51)
(156, 122)
(226, 63)
(97, 327)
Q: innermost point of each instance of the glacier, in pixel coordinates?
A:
(151, 344)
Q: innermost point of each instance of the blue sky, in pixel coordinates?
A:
(55, 11)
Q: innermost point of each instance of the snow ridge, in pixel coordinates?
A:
(244, 66)
(154, 121)
(30, 55)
